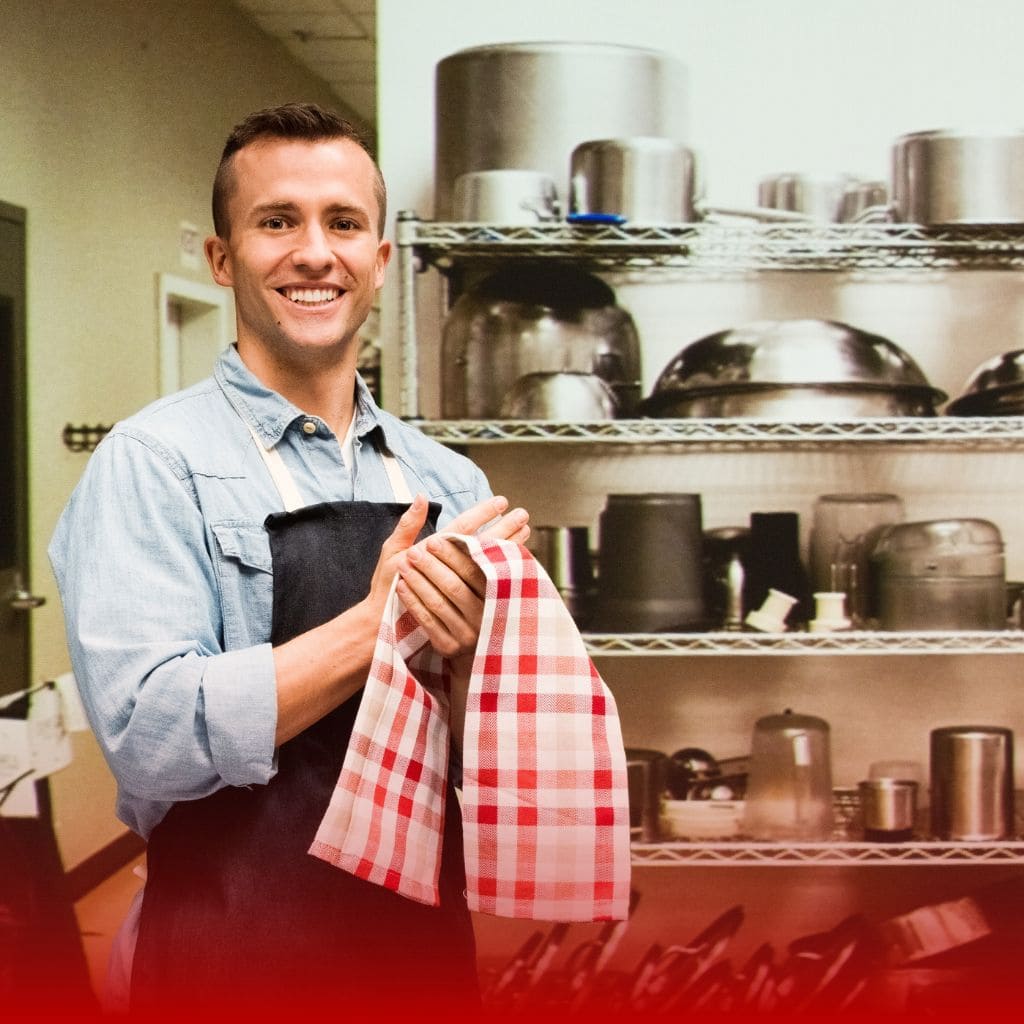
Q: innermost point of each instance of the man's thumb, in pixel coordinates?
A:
(409, 525)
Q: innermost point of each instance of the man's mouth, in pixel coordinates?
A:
(310, 296)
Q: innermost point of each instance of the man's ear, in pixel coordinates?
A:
(383, 255)
(219, 259)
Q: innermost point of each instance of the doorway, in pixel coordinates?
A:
(15, 600)
(194, 322)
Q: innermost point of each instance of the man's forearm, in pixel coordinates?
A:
(322, 668)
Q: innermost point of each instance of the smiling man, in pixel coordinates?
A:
(224, 564)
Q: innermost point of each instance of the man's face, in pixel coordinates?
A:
(303, 253)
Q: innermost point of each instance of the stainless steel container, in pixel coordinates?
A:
(820, 198)
(860, 197)
(504, 197)
(889, 809)
(564, 551)
(559, 396)
(530, 104)
(946, 178)
(646, 180)
(972, 783)
(535, 320)
(940, 574)
(795, 369)
(650, 564)
(995, 388)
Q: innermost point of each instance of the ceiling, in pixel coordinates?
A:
(335, 39)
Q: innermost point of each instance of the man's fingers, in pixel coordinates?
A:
(442, 610)
(521, 536)
(479, 515)
(510, 526)
(462, 565)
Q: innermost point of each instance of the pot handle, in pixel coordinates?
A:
(761, 213)
(885, 214)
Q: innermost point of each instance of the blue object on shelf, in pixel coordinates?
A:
(596, 218)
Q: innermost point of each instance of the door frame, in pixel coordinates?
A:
(185, 306)
(19, 358)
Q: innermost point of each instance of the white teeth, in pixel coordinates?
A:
(311, 295)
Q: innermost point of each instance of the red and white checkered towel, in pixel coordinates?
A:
(545, 802)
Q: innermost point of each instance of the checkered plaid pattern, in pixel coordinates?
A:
(545, 804)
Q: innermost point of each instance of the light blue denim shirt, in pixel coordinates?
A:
(164, 570)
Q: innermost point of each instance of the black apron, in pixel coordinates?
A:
(236, 913)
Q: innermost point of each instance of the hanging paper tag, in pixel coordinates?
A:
(15, 751)
(74, 713)
(20, 801)
(49, 740)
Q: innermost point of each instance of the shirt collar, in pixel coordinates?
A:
(269, 413)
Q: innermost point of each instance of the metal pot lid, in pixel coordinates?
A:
(938, 538)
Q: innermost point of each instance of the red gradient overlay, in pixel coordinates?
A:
(962, 994)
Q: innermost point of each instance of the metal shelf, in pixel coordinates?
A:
(724, 249)
(977, 433)
(712, 249)
(1009, 641)
(844, 849)
(724, 246)
(740, 853)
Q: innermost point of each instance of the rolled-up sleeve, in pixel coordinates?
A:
(176, 714)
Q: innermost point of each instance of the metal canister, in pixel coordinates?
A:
(940, 574)
(647, 180)
(889, 807)
(972, 795)
(564, 551)
(650, 559)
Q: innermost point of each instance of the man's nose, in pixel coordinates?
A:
(313, 248)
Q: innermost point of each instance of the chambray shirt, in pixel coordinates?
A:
(164, 570)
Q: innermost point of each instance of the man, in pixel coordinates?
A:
(224, 564)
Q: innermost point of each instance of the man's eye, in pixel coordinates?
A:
(345, 225)
(275, 223)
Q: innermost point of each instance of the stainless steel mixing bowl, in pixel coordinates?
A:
(995, 388)
(562, 396)
(531, 318)
(789, 369)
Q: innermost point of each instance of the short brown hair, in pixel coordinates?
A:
(289, 121)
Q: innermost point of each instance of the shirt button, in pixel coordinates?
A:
(309, 427)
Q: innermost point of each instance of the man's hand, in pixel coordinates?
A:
(441, 586)
(444, 588)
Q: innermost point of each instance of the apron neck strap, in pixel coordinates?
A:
(399, 485)
(289, 491)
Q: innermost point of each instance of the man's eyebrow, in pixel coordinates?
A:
(278, 206)
(348, 210)
(283, 206)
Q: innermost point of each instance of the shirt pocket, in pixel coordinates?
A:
(245, 576)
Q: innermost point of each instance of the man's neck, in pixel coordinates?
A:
(321, 387)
